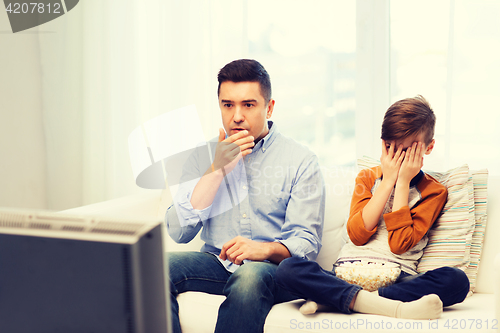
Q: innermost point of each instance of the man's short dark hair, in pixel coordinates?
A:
(410, 116)
(246, 70)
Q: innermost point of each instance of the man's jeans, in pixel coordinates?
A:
(250, 292)
(308, 280)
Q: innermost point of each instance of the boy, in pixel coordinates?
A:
(392, 208)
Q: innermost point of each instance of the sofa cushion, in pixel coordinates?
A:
(339, 186)
(198, 314)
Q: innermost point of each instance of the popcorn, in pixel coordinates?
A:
(369, 275)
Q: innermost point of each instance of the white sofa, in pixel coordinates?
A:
(198, 311)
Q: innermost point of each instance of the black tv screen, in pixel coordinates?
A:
(69, 274)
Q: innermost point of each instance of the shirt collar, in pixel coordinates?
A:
(417, 178)
(266, 141)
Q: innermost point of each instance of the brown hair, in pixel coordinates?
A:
(246, 70)
(407, 117)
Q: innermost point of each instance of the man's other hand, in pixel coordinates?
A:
(241, 248)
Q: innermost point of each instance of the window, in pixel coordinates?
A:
(448, 52)
(309, 50)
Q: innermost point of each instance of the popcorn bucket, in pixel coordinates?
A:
(369, 275)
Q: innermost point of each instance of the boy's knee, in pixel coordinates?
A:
(460, 278)
(290, 263)
(251, 278)
(457, 281)
(454, 276)
(287, 269)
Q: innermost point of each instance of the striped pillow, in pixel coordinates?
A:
(480, 180)
(450, 238)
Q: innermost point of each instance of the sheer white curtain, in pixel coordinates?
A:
(336, 66)
(110, 66)
(61, 60)
(373, 73)
(309, 50)
(448, 52)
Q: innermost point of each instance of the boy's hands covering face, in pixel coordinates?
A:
(229, 151)
(391, 161)
(402, 165)
(412, 163)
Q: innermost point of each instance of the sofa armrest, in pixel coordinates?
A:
(148, 204)
(496, 287)
(141, 205)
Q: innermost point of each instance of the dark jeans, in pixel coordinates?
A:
(308, 280)
(250, 291)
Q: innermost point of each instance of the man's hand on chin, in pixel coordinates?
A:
(229, 151)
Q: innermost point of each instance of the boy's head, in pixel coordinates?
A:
(409, 118)
(246, 70)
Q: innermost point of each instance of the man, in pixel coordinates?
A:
(259, 200)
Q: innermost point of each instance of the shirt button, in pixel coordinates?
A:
(263, 149)
(244, 216)
(245, 187)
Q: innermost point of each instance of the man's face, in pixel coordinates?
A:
(243, 108)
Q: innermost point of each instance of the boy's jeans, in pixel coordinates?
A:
(308, 280)
(250, 292)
